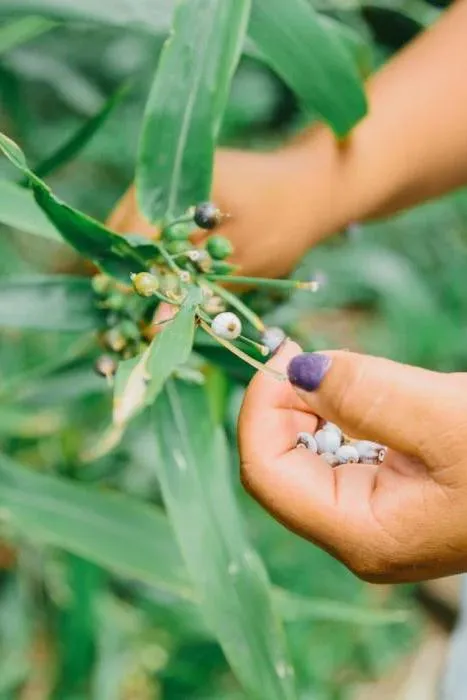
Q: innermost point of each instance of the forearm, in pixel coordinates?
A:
(412, 145)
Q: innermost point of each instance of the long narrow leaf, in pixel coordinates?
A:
(235, 595)
(186, 105)
(310, 58)
(20, 31)
(90, 238)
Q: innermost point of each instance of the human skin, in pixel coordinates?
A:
(405, 520)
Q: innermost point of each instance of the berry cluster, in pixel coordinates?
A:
(178, 264)
(330, 443)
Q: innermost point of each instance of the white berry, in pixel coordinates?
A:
(273, 338)
(227, 325)
(330, 458)
(347, 454)
(307, 440)
(332, 426)
(368, 450)
(327, 441)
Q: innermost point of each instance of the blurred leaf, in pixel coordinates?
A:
(140, 14)
(21, 31)
(187, 103)
(47, 303)
(81, 138)
(16, 421)
(139, 380)
(16, 630)
(309, 56)
(113, 531)
(19, 210)
(235, 595)
(90, 238)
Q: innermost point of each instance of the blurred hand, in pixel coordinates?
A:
(405, 520)
(268, 226)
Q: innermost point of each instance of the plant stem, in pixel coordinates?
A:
(167, 257)
(260, 282)
(242, 355)
(234, 301)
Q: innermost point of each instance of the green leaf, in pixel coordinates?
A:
(310, 58)
(190, 456)
(19, 210)
(114, 531)
(47, 303)
(145, 15)
(109, 251)
(81, 138)
(22, 30)
(140, 380)
(186, 105)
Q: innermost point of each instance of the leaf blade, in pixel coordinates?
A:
(232, 584)
(285, 33)
(186, 105)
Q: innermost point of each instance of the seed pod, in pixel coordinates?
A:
(219, 247)
(273, 338)
(207, 215)
(347, 454)
(145, 284)
(308, 441)
(327, 441)
(101, 284)
(105, 366)
(227, 325)
(330, 459)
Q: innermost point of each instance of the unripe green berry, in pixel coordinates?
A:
(178, 232)
(130, 330)
(115, 302)
(176, 247)
(207, 215)
(220, 267)
(101, 284)
(145, 284)
(219, 247)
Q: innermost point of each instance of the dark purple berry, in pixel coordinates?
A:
(207, 215)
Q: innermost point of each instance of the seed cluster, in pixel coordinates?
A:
(129, 311)
(335, 448)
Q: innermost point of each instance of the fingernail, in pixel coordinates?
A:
(307, 371)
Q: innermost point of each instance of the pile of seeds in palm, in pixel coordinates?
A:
(335, 448)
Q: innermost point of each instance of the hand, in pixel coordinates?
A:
(269, 226)
(405, 520)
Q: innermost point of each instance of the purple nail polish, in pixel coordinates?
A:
(307, 371)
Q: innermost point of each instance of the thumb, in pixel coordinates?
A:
(370, 397)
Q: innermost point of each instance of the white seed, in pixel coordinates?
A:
(347, 454)
(308, 441)
(370, 450)
(332, 426)
(227, 325)
(330, 458)
(327, 440)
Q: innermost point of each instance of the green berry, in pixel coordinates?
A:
(207, 215)
(219, 247)
(115, 302)
(178, 232)
(101, 284)
(176, 247)
(145, 284)
(130, 330)
(220, 267)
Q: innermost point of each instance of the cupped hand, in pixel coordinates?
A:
(269, 224)
(404, 520)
